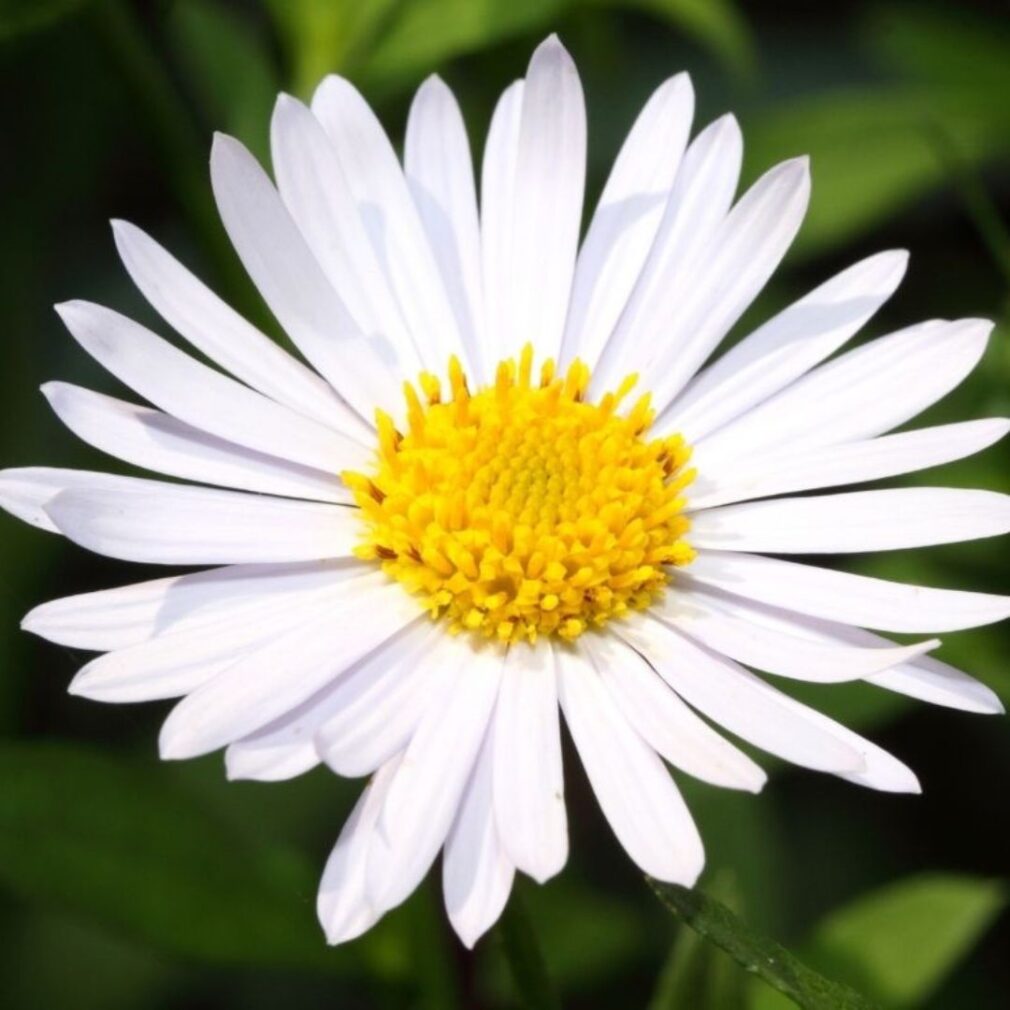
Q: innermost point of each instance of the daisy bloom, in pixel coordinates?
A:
(510, 479)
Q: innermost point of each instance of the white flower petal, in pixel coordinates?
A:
(857, 521)
(439, 170)
(740, 257)
(702, 193)
(217, 330)
(175, 524)
(202, 397)
(849, 599)
(159, 442)
(529, 788)
(372, 712)
(293, 284)
(476, 873)
(741, 702)
(665, 722)
(626, 219)
(770, 640)
(391, 220)
(632, 785)
(315, 190)
(818, 466)
(343, 909)
(425, 794)
(287, 746)
(863, 393)
(289, 669)
(128, 615)
(547, 193)
(785, 347)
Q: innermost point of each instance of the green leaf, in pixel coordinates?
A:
(228, 67)
(873, 154)
(117, 843)
(899, 942)
(758, 954)
(20, 17)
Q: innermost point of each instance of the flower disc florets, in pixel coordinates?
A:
(522, 510)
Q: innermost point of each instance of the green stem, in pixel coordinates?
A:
(522, 951)
(759, 955)
(177, 139)
(434, 969)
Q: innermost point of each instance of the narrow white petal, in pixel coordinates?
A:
(632, 785)
(128, 615)
(742, 254)
(439, 170)
(702, 193)
(169, 524)
(289, 669)
(666, 723)
(293, 284)
(547, 196)
(790, 470)
(476, 873)
(373, 711)
(203, 397)
(343, 909)
(497, 220)
(627, 218)
(315, 190)
(425, 794)
(863, 393)
(856, 521)
(769, 640)
(199, 646)
(741, 702)
(391, 220)
(26, 491)
(849, 599)
(785, 347)
(217, 330)
(287, 746)
(160, 442)
(529, 788)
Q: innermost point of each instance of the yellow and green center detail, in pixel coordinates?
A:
(522, 510)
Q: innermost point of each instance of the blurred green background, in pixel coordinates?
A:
(125, 883)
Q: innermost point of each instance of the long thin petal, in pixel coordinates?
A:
(849, 599)
(666, 723)
(865, 392)
(175, 524)
(785, 347)
(289, 669)
(627, 218)
(214, 328)
(769, 641)
(203, 397)
(547, 196)
(477, 875)
(439, 170)
(854, 522)
(529, 788)
(159, 442)
(293, 284)
(425, 795)
(391, 220)
(635, 791)
(807, 469)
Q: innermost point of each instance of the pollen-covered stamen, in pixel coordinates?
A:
(522, 510)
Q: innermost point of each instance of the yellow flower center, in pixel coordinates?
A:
(521, 510)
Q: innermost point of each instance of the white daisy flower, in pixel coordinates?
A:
(566, 514)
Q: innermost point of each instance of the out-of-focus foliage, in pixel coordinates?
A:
(125, 884)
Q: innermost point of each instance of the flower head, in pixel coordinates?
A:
(510, 476)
